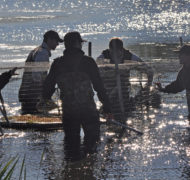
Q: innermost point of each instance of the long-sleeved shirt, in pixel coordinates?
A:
(127, 55)
(181, 83)
(40, 57)
(66, 64)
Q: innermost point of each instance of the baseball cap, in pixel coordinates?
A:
(53, 35)
(73, 36)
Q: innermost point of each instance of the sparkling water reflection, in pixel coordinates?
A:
(150, 29)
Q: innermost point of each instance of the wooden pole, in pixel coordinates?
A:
(3, 110)
(90, 49)
(1, 130)
(118, 82)
(181, 41)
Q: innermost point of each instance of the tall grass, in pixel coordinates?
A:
(6, 170)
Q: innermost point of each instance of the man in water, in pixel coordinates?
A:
(183, 78)
(75, 74)
(117, 52)
(37, 64)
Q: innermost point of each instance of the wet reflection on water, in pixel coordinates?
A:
(161, 153)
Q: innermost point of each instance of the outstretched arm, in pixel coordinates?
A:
(174, 87)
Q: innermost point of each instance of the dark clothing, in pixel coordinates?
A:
(4, 79)
(75, 74)
(66, 65)
(71, 125)
(181, 83)
(127, 56)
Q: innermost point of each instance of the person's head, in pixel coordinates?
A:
(73, 40)
(52, 39)
(116, 47)
(184, 55)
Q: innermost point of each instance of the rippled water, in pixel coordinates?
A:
(23, 23)
(151, 29)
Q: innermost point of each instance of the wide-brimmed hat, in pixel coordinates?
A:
(53, 35)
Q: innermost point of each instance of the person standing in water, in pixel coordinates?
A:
(37, 65)
(76, 76)
(183, 78)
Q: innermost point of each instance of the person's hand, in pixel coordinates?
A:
(46, 105)
(108, 116)
(158, 86)
(13, 71)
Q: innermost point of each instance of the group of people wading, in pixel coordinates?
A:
(76, 76)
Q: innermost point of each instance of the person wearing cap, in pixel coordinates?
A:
(76, 74)
(182, 81)
(37, 64)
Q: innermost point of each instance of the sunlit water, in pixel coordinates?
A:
(151, 29)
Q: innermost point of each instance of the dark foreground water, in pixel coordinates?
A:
(162, 152)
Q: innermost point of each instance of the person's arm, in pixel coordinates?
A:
(98, 86)
(101, 56)
(136, 58)
(5, 77)
(174, 87)
(50, 82)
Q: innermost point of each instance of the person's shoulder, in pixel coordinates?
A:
(41, 53)
(106, 53)
(88, 60)
(57, 61)
(41, 50)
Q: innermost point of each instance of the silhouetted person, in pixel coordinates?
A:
(183, 78)
(75, 74)
(116, 46)
(37, 65)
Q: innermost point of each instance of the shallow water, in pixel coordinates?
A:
(151, 29)
(162, 152)
(23, 23)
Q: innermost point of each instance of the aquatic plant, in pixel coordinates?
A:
(7, 170)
